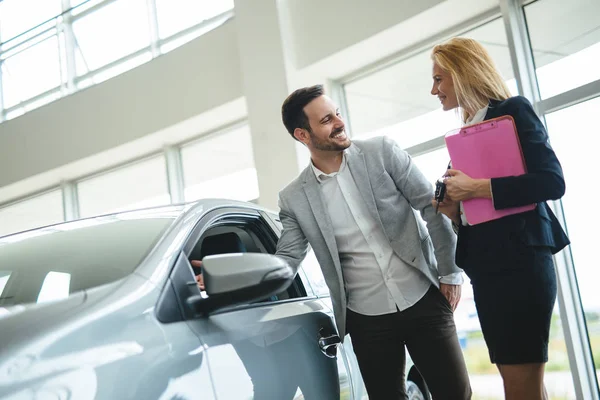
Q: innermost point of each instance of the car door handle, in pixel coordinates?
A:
(328, 344)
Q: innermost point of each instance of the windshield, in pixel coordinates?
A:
(52, 263)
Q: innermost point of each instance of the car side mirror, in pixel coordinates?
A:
(240, 278)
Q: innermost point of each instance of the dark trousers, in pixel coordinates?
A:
(427, 330)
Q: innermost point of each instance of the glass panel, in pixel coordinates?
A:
(573, 142)
(31, 72)
(18, 16)
(177, 15)
(70, 262)
(80, 6)
(396, 101)
(110, 33)
(42, 210)
(143, 184)
(220, 165)
(565, 37)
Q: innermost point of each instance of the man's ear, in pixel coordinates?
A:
(302, 135)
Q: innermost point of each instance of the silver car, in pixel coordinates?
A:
(109, 308)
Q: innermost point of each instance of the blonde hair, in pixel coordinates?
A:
(476, 79)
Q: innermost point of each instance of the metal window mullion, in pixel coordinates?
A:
(70, 200)
(92, 9)
(174, 174)
(569, 300)
(573, 322)
(112, 64)
(520, 49)
(221, 18)
(2, 110)
(31, 100)
(153, 23)
(427, 147)
(67, 26)
(571, 97)
(338, 94)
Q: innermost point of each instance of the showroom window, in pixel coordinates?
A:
(41, 210)
(110, 33)
(565, 38)
(573, 142)
(220, 165)
(397, 102)
(138, 185)
(176, 15)
(19, 16)
(49, 48)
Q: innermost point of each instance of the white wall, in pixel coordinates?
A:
(320, 28)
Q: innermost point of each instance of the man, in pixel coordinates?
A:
(355, 205)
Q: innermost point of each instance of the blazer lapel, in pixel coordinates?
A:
(315, 199)
(358, 169)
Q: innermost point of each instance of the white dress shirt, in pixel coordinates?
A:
(478, 117)
(377, 280)
(475, 119)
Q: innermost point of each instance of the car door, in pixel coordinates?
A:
(280, 348)
(350, 377)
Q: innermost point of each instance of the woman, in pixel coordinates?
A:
(509, 260)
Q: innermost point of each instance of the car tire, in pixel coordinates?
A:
(413, 391)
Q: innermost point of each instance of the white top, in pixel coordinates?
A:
(478, 117)
(377, 280)
(475, 119)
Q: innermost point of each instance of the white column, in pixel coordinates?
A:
(70, 46)
(174, 174)
(70, 200)
(265, 73)
(153, 23)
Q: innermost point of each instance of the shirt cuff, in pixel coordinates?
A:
(452, 279)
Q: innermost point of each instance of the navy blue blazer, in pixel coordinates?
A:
(543, 181)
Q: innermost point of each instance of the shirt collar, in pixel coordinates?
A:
(478, 117)
(322, 176)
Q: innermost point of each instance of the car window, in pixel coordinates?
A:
(52, 263)
(241, 235)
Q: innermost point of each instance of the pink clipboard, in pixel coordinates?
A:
(489, 149)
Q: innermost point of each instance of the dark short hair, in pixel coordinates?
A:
(292, 110)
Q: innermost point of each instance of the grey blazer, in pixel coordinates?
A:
(393, 189)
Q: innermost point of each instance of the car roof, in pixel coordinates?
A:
(165, 211)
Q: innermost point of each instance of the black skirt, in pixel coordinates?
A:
(515, 294)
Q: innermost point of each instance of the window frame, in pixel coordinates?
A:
(181, 283)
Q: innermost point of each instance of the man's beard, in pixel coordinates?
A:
(327, 145)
